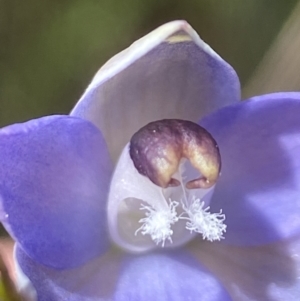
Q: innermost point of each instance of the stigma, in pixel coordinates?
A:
(162, 186)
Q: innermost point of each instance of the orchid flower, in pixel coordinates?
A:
(160, 184)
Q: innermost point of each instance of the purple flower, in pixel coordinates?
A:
(86, 233)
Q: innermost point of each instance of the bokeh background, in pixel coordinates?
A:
(50, 49)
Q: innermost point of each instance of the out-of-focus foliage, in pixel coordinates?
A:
(50, 49)
(279, 69)
(7, 288)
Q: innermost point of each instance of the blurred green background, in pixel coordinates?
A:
(50, 49)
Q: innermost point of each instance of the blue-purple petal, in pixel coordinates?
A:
(258, 273)
(169, 73)
(174, 276)
(116, 276)
(54, 178)
(259, 187)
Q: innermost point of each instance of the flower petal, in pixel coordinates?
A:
(169, 73)
(176, 276)
(54, 178)
(119, 277)
(259, 187)
(270, 272)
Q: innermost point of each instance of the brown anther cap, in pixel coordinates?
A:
(157, 148)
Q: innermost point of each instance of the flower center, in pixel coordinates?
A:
(162, 186)
(158, 223)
